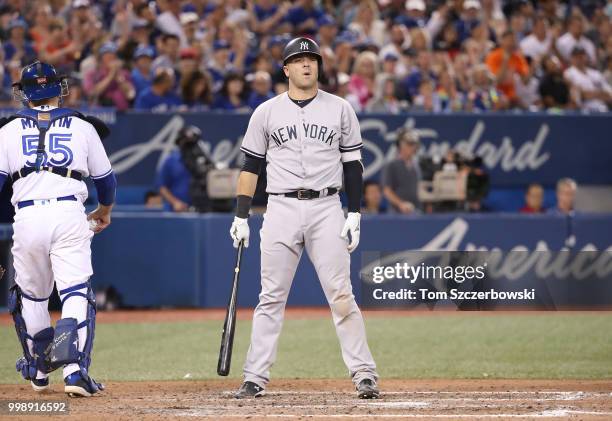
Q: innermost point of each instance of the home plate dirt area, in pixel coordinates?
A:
(335, 399)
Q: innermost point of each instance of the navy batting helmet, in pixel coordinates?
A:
(40, 81)
(299, 46)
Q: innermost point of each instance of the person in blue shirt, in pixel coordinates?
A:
(231, 96)
(160, 96)
(17, 47)
(261, 89)
(141, 73)
(469, 19)
(412, 82)
(173, 181)
(304, 17)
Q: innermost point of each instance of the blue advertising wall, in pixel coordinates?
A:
(170, 260)
(517, 149)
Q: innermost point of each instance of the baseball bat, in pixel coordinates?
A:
(229, 326)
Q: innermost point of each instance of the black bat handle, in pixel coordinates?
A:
(229, 326)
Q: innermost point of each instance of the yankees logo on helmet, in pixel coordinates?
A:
(303, 45)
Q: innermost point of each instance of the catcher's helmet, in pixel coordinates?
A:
(299, 46)
(40, 81)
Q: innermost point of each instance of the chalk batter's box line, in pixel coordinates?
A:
(544, 414)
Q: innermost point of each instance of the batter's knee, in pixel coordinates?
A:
(343, 306)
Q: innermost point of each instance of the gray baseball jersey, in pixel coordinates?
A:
(304, 147)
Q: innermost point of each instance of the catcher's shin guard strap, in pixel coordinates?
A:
(29, 364)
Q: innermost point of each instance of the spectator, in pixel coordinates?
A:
(592, 91)
(84, 24)
(534, 199)
(328, 29)
(220, 63)
(141, 33)
(153, 200)
(427, 98)
(362, 82)
(483, 96)
(412, 83)
(268, 16)
(553, 90)
(17, 48)
(160, 96)
(59, 50)
(400, 178)
(168, 49)
(303, 17)
(566, 196)
(537, 45)
(479, 45)
(450, 98)
(448, 41)
(367, 24)
(231, 96)
(505, 62)
(386, 100)
(372, 198)
(76, 98)
(39, 32)
(141, 72)
(168, 21)
(109, 84)
(469, 19)
(196, 90)
(260, 89)
(344, 92)
(398, 37)
(415, 16)
(188, 62)
(189, 22)
(574, 37)
(174, 181)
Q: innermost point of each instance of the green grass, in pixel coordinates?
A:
(551, 346)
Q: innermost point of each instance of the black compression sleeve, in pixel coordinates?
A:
(353, 184)
(252, 164)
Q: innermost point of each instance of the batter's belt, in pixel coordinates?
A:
(306, 194)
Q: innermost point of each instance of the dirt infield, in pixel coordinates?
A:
(335, 399)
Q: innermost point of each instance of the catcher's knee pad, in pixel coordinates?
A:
(343, 306)
(66, 348)
(31, 362)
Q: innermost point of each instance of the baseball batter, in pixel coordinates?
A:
(311, 141)
(48, 151)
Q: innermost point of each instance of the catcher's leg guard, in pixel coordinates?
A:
(34, 361)
(67, 347)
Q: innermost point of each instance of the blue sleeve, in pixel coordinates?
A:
(106, 187)
(3, 178)
(163, 177)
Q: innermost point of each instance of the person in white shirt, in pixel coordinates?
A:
(48, 151)
(538, 44)
(574, 37)
(593, 91)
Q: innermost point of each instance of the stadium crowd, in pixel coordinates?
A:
(382, 56)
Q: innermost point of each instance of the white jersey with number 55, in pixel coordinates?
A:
(70, 142)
